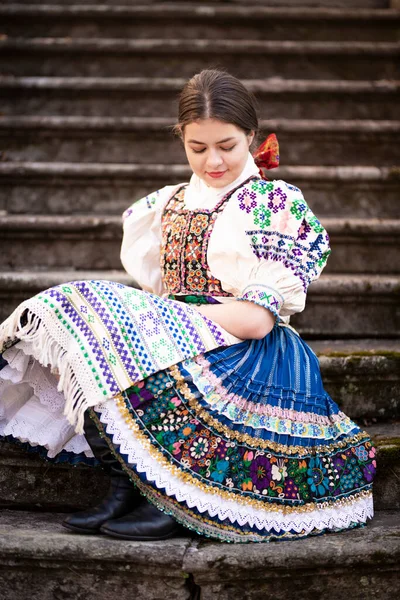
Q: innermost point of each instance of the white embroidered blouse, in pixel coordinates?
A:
(266, 245)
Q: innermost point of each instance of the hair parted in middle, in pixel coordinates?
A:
(214, 94)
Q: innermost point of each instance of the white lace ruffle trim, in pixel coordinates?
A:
(31, 407)
(342, 515)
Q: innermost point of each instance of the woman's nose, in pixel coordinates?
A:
(214, 159)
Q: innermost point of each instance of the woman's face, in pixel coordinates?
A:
(217, 151)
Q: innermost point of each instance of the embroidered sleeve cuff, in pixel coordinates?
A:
(264, 296)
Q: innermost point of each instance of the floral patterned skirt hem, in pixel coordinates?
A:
(239, 461)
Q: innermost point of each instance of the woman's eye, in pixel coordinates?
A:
(198, 151)
(228, 149)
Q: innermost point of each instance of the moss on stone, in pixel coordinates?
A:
(379, 557)
(394, 172)
(361, 353)
(388, 452)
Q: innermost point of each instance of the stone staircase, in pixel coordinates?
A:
(87, 99)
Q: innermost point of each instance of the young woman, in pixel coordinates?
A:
(204, 405)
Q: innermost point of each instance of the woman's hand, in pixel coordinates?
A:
(245, 320)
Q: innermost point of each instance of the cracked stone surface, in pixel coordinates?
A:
(41, 560)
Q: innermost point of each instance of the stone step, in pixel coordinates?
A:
(41, 559)
(351, 306)
(93, 242)
(74, 188)
(149, 139)
(342, 4)
(145, 97)
(362, 376)
(165, 58)
(29, 481)
(191, 21)
(338, 306)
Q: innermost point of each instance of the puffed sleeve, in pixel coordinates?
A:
(141, 242)
(289, 245)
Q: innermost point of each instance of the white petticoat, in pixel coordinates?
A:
(31, 408)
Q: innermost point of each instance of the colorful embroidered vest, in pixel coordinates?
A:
(185, 237)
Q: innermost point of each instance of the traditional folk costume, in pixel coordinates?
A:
(235, 439)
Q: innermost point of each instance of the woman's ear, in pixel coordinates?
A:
(250, 138)
(177, 130)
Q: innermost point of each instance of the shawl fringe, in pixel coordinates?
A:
(48, 352)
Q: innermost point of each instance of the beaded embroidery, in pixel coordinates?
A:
(185, 238)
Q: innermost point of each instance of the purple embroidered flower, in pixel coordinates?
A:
(304, 230)
(221, 450)
(260, 472)
(247, 200)
(134, 399)
(291, 489)
(277, 200)
(146, 394)
(297, 252)
(369, 472)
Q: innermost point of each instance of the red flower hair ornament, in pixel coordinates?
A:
(267, 154)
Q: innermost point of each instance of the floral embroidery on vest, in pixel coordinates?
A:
(185, 238)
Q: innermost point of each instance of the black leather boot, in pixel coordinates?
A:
(145, 523)
(122, 497)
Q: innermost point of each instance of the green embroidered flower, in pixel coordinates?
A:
(298, 209)
(262, 216)
(262, 187)
(321, 262)
(316, 225)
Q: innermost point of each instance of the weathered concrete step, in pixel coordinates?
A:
(188, 21)
(145, 97)
(43, 560)
(29, 481)
(93, 242)
(74, 188)
(338, 306)
(149, 139)
(165, 58)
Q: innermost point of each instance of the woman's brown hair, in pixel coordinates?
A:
(214, 94)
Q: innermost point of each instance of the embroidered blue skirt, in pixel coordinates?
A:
(244, 444)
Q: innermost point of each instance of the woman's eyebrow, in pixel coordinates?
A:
(204, 144)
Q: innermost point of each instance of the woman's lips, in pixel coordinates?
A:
(216, 174)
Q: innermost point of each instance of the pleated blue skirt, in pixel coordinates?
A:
(244, 444)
